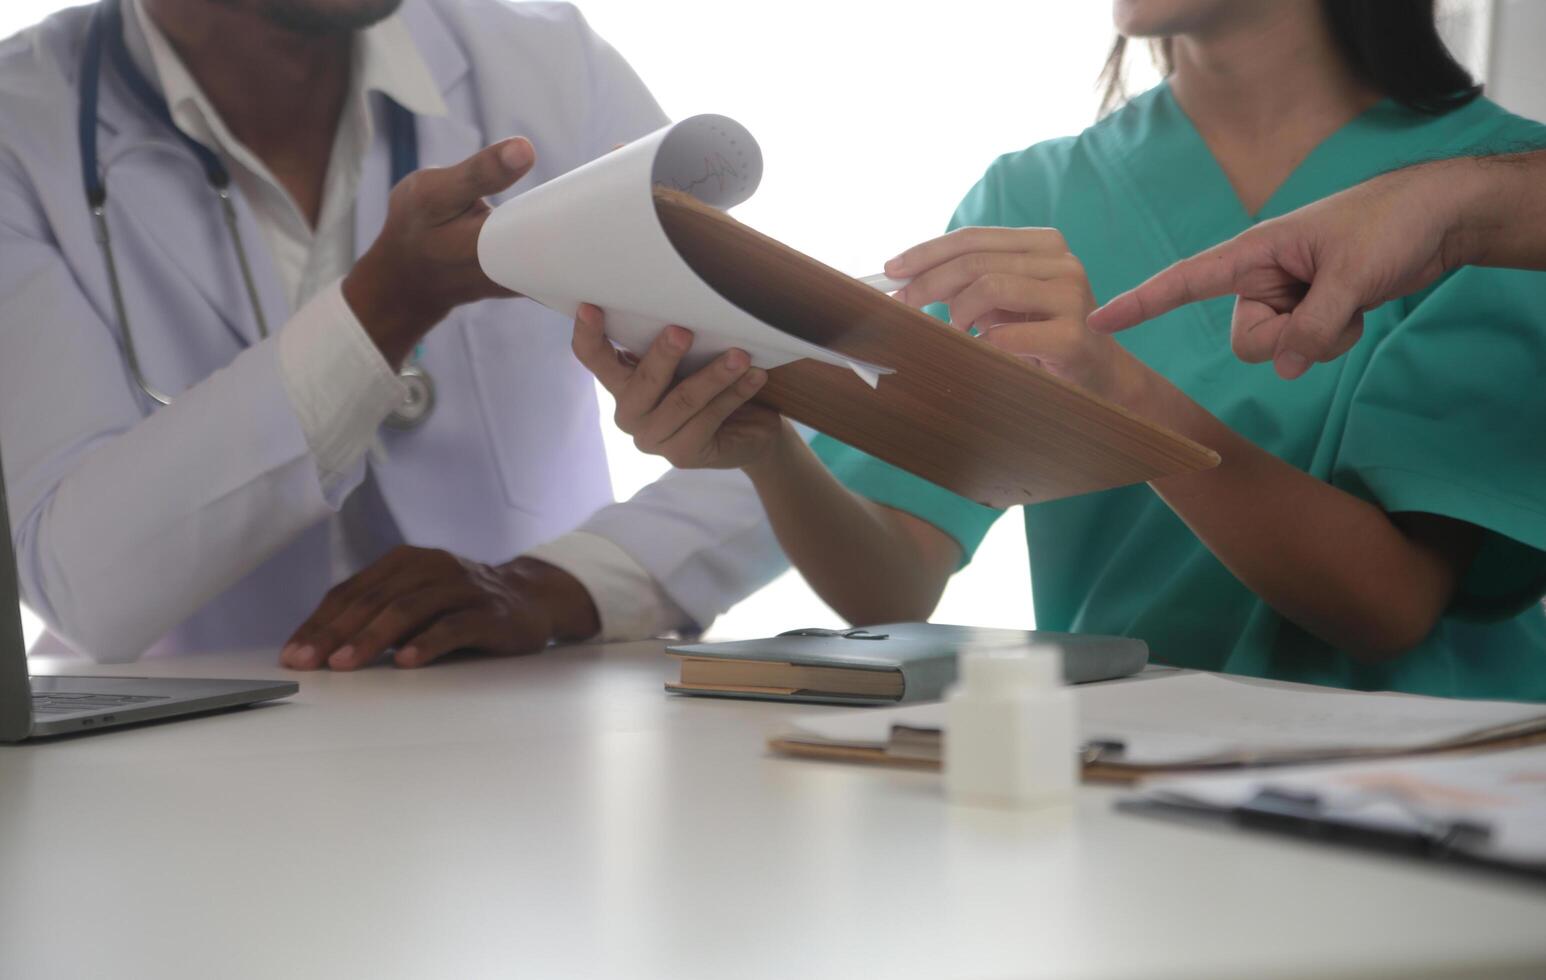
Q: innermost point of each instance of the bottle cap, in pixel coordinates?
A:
(999, 670)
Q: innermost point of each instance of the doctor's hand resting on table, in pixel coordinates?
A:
(1304, 280)
(424, 603)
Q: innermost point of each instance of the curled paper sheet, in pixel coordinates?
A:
(593, 236)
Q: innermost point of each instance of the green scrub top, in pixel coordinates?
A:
(1441, 408)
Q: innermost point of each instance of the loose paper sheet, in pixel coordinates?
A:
(592, 236)
(1166, 717)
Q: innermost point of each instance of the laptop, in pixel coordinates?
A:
(35, 707)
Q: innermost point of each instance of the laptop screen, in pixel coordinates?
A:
(15, 691)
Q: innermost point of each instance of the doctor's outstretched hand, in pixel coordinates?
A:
(425, 261)
(424, 604)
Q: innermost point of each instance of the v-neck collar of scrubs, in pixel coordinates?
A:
(1180, 198)
(1179, 167)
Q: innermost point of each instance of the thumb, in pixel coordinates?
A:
(449, 191)
(1317, 328)
(1203, 276)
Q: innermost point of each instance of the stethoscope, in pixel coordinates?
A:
(403, 137)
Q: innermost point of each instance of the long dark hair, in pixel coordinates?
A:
(1392, 45)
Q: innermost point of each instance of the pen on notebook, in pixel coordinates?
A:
(885, 283)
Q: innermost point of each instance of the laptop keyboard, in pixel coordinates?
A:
(58, 704)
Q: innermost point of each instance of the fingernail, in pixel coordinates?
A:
(342, 657)
(736, 361)
(1291, 364)
(407, 657)
(284, 655)
(894, 266)
(755, 379)
(515, 154)
(306, 656)
(678, 338)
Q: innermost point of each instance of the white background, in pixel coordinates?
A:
(874, 120)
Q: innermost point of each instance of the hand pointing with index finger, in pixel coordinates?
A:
(1303, 281)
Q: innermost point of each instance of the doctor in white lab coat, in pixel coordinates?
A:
(222, 519)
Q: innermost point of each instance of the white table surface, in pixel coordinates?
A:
(560, 816)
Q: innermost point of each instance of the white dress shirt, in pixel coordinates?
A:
(341, 387)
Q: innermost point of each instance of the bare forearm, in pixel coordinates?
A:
(870, 563)
(1337, 566)
(1503, 208)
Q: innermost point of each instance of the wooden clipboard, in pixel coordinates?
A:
(957, 412)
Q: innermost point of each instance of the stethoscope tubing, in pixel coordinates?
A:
(107, 27)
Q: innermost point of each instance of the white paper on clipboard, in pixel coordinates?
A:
(592, 236)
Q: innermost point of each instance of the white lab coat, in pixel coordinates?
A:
(203, 525)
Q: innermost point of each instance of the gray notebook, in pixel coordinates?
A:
(888, 664)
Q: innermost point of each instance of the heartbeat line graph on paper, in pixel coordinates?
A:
(716, 169)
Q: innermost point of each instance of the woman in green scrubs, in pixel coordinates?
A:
(1378, 524)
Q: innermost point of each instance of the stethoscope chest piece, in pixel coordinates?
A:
(418, 399)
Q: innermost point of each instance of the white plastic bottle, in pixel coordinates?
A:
(1011, 735)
